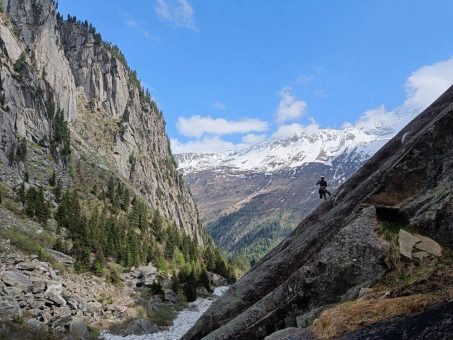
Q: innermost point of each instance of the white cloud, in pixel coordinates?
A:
(218, 106)
(289, 130)
(205, 145)
(253, 138)
(378, 118)
(197, 126)
(427, 83)
(289, 107)
(422, 87)
(179, 13)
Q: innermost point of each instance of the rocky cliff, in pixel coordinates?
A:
(51, 66)
(347, 244)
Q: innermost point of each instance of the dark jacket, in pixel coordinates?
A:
(322, 183)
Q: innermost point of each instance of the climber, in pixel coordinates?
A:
(323, 188)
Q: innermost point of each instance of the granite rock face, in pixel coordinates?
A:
(115, 126)
(336, 250)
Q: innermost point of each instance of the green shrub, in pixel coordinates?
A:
(20, 63)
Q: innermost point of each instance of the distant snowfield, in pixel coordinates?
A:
(181, 324)
(321, 146)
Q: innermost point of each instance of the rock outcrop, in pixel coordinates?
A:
(337, 250)
(49, 64)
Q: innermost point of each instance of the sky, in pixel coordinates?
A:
(230, 73)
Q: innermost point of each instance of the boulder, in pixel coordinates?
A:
(35, 324)
(56, 298)
(61, 323)
(9, 309)
(13, 291)
(203, 292)
(55, 287)
(169, 295)
(46, 317)
(116, 308)
(141, 327)
(62, 311)
(78, 328)
(428, 245)
(28, 266)
(17, 279)
(406, 242)
(61, 257)
(420, 255)
(146, 275)
(39, 287)
(291, 333)
(217, 280)
(72, 301)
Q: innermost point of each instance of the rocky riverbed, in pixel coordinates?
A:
(181, 324)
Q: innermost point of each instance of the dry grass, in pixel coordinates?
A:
(349, 316)
(410, 289)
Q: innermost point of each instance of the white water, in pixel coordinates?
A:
(181, 324)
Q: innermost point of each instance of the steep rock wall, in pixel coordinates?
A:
(111, 117)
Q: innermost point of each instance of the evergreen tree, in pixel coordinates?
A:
(59, 245)
(57, 191)
(190, 287)
(82, 256)
(126, 200)
(157, 227)
(174, 282)
(204, 279)
(21, 193)
(31, 199)
(42, 210)
(53, 179)
(111, 189)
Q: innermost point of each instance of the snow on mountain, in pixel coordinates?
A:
(322, 146)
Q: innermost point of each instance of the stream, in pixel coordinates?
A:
(181, 324)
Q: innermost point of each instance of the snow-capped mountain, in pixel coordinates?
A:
(250, 199)
(321, 146)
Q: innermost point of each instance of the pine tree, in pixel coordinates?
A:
(21, 193)
(111, 189)
(157, 227)
(59, 245)
(31, 199)
(174, 282)
(53, 179)
(57, 191)
(126, 200)
(190, 287)
(42, 210)
(204, 279)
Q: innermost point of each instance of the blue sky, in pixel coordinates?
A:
(228, 73)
